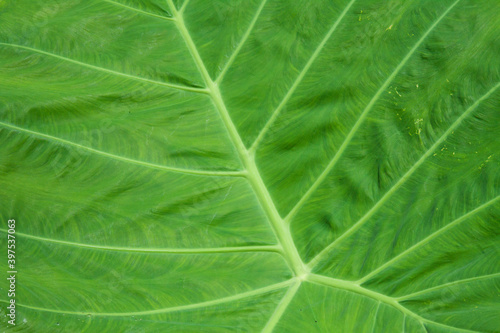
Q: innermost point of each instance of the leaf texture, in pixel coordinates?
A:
(252, 165)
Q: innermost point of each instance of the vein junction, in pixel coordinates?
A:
(281, 230)
(279, 225)
(293, 285)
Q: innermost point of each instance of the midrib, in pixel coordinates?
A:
(280, 229)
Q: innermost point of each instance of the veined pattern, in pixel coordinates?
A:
(253, 166)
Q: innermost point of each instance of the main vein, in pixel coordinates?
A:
(403, 179)
(363, 116)
(281, 231)
(121, 158)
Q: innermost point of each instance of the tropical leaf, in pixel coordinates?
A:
(251, 165)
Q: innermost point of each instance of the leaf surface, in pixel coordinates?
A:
(252, 166)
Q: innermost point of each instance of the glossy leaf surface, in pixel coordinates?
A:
(252, 165)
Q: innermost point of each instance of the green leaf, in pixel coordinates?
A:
(251, 165)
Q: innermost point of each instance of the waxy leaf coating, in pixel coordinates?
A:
(251, 165)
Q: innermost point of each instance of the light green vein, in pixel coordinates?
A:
(184, 5)
(139, 11)
(166, 310)
(299, 78)
(105, 70)
(263, 248)
(449, 284)
(429, 238)
(280, 230)
(425, 328)
(363, 115)
(347, 285)
(403, 179)
(125, 159)
(280, 309)
(241, 43)
(375, 317)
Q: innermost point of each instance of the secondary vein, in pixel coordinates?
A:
(362, 117)
(282, 306)
(428, 239)
(184, 5)
(351, 286)
(105, 70)
(404, 178)
(299, 78)
(375, 317)
(229, 249)
(124, 159)
(138, 10)
(241, 43)
(449, 284)
(170, 309)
